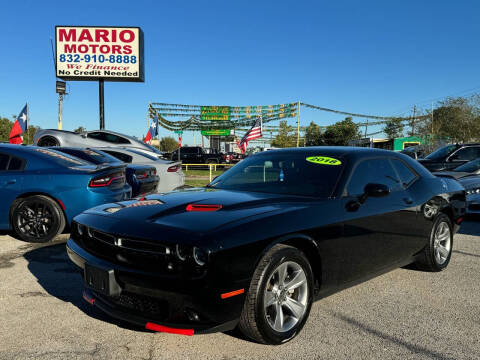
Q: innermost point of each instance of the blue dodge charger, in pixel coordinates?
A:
(43, 189)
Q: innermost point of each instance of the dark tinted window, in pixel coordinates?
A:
(373, 171)
(189, 150)
(3, 161)
(407, 176)
(89, 155)
(96, 136)
(111, 138)
(281, 173)
(441, 153)
(15, 164)
(466, 153)
(471, 166)
(120, 156)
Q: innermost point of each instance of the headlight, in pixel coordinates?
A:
(182, 252)
(473, 191)
(80, 229)
(200, 256)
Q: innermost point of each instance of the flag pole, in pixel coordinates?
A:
(298, 124)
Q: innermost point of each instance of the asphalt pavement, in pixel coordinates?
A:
(405, 314)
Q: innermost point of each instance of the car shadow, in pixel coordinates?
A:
(62, 279)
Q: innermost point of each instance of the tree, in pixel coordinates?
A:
(5, 128)
(286, 136)
(80, 130)
(168, 144)
(341, 133)
(29, 134)
(313, 135)
(394, 128)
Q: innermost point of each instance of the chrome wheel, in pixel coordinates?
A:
(286, 296)
(442, 243)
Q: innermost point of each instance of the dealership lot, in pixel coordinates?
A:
(404, 314)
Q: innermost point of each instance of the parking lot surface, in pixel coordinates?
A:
(405, 314)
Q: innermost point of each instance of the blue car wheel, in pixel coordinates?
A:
(37, 219)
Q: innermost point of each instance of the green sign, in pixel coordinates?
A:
(215, 113)
(216, 132)
(178, 131)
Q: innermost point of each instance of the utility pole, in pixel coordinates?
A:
(433, 134)
(413, 120)
(101, 106)
(298, 124)
(61, 89)
(366, 128)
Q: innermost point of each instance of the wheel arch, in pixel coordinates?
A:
(48, 137)
(308, 246)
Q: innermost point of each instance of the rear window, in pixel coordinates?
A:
(89, 155)
(120, 156)
(60, 158)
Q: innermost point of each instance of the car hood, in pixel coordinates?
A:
(169, 211)
(470, 182)
(452, 174)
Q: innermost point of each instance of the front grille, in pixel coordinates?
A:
(145, 305)
(136, 253)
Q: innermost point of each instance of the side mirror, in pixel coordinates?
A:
(376, 190)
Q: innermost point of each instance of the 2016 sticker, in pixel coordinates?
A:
(323, 160)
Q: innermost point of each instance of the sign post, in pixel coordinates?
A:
(103, 53)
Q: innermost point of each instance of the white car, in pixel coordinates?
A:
(170, 172)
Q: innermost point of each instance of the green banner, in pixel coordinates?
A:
(215, 113)
(216, 132)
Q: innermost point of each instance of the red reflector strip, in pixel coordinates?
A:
(88, 299)
(165, 329)
(203, 207)
(232, 293)
(61, 204)
(459, 220)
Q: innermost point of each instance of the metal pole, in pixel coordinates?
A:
(432, 120)
(298, 124)
(60, 110)
(101, 104)
(366, 128)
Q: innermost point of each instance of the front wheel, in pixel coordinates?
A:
(280, 297)
(436, 255)
(37, 218)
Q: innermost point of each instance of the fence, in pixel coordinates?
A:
(210, 167)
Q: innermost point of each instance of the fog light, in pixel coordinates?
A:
(200, 256)
(192, 315)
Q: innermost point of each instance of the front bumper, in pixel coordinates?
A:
(473, 204)
(146, 299)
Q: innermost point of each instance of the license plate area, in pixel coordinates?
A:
(101, 280)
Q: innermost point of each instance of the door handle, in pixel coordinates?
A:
(408, 200)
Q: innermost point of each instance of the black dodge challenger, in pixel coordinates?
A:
(260, 243)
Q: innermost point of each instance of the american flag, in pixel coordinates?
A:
(255, 132)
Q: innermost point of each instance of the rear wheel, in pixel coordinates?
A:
(46, 141)
(37, 219)
(280, 297)
(437, 253)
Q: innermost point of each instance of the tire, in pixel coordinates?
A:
(258, 321)
(37, 219)
(436, 255)
(46, 141)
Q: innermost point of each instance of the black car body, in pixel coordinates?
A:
(197, 155)
(142, 178)
(449, 157)
(189, 261)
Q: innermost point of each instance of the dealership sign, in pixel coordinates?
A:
(99, 52)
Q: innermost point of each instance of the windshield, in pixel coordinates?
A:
(470, 167)
(441, 153)
(153, 148)
(307, 174)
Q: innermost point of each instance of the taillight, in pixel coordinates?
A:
(141, 175)
(203, 207)
(174, 168)
(106, 180)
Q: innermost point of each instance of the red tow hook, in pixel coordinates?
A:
(88, 298)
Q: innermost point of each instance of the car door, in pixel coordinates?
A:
(11, 180)
(373, 229)
(462, 156)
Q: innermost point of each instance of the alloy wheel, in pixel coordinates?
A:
(442, 243)
(286, 296)
(35, 219)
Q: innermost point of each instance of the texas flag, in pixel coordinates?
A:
(19, 127)
(153, 131)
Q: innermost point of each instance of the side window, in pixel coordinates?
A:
(15, 164)
(96, 135)
(407, 176)
(376, 171)
(3, 162)
(114, 139)
(120, 156)
(466, 153)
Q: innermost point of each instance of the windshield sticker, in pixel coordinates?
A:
(323, 160)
